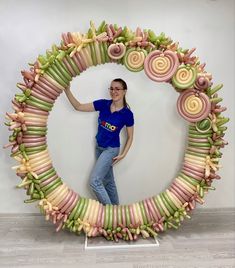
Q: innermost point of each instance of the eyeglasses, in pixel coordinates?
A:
(115, 89)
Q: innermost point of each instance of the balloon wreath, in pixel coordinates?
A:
(162, 61)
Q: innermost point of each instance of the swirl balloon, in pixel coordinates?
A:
(202, 82)
(161, 66)
(134, 59)
(116, 51)
(193, 106)
(184, 77)
(204, 125)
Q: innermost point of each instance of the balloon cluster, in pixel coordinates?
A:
(162, 61)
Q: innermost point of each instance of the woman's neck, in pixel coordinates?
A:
(118, 104)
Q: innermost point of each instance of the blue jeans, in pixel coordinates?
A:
(102, 179)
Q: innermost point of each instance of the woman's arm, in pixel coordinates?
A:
(86, 107)
(130, 132)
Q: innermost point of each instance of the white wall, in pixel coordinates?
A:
(28, 28)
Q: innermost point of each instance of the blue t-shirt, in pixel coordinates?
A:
(110, 124)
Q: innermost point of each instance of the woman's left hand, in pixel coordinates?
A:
(117, 158)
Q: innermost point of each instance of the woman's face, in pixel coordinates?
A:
(116, 91)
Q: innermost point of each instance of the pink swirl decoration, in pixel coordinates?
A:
(202, 82)
(193, 106)
(116, 51)
(161, 66)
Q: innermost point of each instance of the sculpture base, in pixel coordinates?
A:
(101, 243)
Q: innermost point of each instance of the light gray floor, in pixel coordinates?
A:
(206, 240)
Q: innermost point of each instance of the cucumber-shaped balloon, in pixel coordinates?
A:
(80, 207)
(93, 54)
(73, 212)
(119, 215)
(189, 179)
(195, 144)
(48, 176)
(105, 47)
(199, 135)
(191, 131)
(46, 187)
(73, 64)
(56, 77)
(61, 66)
(167, 205)
(49, 172)
(106, 217)
(102, 53)
(169, 201)
(158, 206)
(59, 73)
(52, 188)
(35, 148)
(32, 98)
(38, 105)
(38, 133)
(110, 224)
(143, 212)
(34, 152)
(62, 71)
(128, 220)
(196, 154)
(84, 208)
(30, 130)
(31, 188)
(35, 128)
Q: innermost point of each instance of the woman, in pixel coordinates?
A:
(114, 114)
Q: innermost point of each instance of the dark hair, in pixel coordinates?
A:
(124, 85)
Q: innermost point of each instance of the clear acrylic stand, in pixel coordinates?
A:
(100, 242)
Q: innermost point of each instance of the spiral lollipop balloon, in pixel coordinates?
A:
(134, 59)
(161, 66)
(184, 77)
(116, 51)
(193, 106)
(204, 125)
(202, 82)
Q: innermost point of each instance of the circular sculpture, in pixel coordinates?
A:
(162, 61)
